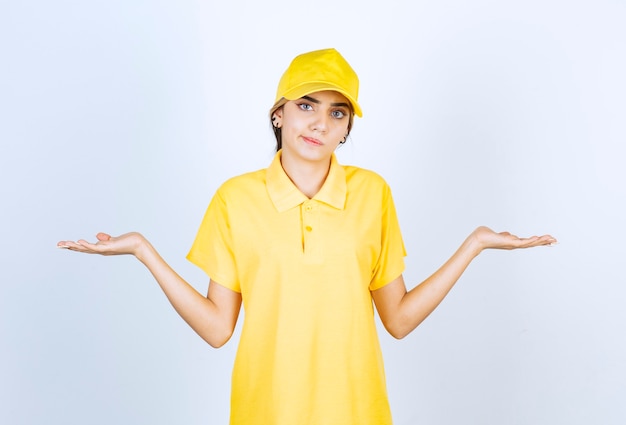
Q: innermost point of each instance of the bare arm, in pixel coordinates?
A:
(402, 311)
(212, 317)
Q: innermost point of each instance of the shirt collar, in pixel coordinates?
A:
(285, 195)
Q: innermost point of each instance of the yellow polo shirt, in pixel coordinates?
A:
(309, 353)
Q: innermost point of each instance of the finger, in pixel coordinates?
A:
(530, 239)
(548, 240)
(66, 244)
(103, 236)
(73, 246)
(517, 242)
(85, 246)
(542, 240)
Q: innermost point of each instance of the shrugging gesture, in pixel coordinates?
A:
(306, 244)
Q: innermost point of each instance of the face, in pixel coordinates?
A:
(313, 126)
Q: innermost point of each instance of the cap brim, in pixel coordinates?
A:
(315, 86)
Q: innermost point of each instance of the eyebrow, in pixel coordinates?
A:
(310, 99)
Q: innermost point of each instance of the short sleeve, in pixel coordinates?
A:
(390, 262)
(212, 248)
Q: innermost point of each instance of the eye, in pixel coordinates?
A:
(338, 114)
(305, 106)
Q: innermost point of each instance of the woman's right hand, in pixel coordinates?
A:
(128, 243)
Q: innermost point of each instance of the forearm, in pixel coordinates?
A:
(419, 302)
(200, 312)
(402, 311)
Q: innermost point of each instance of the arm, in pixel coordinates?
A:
(402, 311)
(212, 317)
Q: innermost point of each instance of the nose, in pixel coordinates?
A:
(320, 122)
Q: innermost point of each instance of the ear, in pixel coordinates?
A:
(277, 118)
(278, 113)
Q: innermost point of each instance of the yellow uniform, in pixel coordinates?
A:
(309, 353)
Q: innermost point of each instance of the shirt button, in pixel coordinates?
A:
(308, 228)
(308, 208)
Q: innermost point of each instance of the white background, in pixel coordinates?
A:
(126, 115)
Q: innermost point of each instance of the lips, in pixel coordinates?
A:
(312, 141)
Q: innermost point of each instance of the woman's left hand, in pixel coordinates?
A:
(488, 239)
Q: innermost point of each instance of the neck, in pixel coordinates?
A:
(308, 176)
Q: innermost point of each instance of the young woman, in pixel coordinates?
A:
(306, 245)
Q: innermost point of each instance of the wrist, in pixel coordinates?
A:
(473, 244)
(142, 248)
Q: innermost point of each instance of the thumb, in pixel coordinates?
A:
(103, 236)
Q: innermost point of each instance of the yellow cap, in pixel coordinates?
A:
(316, 71)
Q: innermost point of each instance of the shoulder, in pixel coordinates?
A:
(367, 188)
(240, 190)
(361, 177)
(242, 183)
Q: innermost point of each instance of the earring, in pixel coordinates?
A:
(342, 141)
(275, 123)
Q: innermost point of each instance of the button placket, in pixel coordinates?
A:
(310, 217)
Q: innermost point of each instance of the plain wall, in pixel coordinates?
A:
(127, 115)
